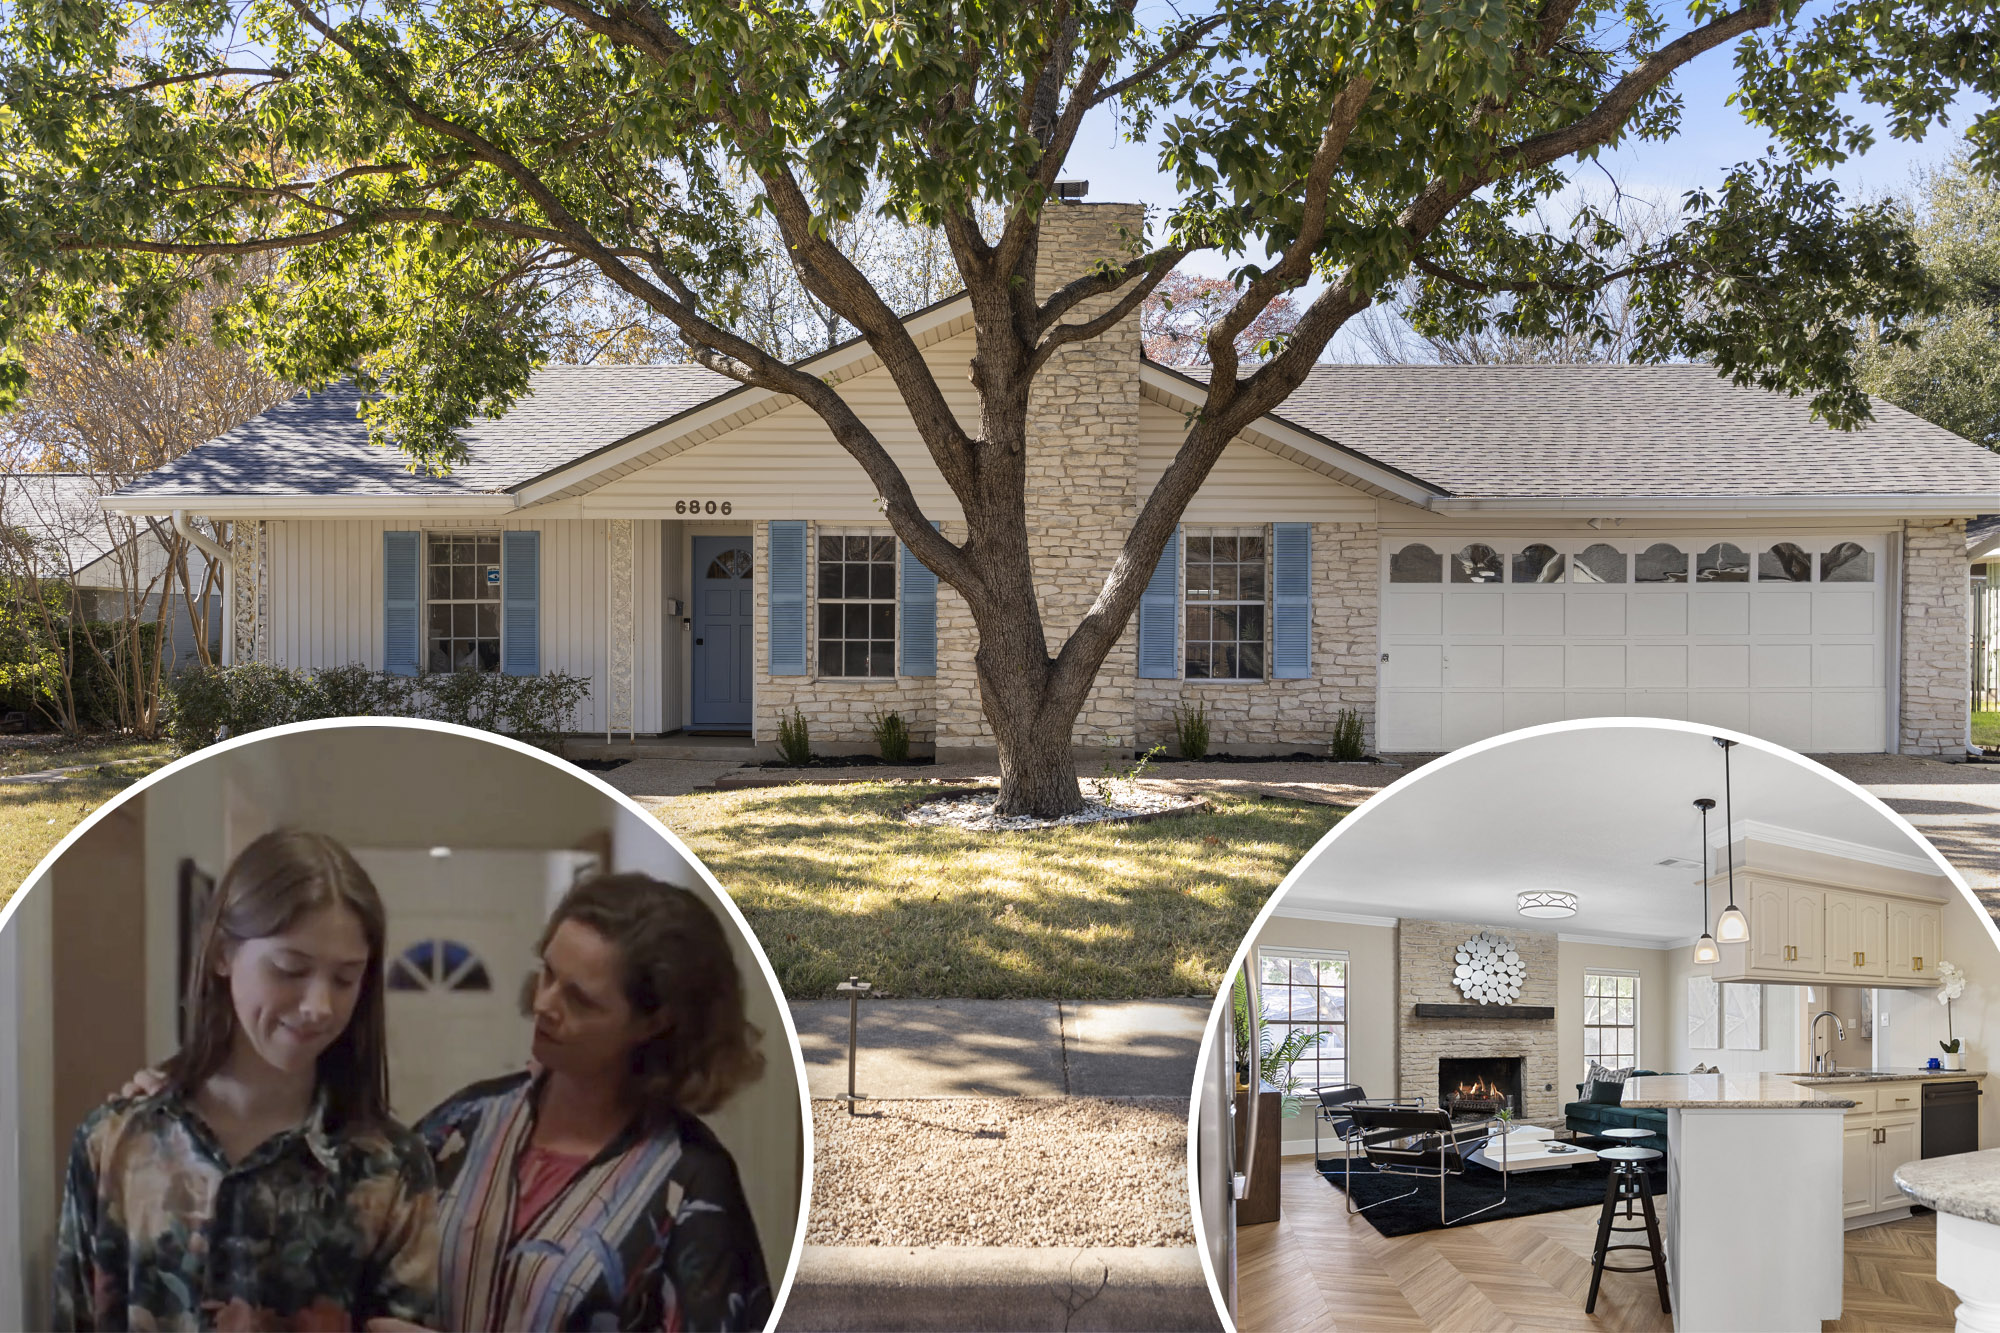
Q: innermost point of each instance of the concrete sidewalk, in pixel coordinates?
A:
(1005, 1048)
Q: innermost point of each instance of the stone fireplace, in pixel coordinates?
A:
(1478, 1086)
(1426, 961)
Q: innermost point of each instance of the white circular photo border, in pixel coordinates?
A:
(41, 872)
(1220, 1009)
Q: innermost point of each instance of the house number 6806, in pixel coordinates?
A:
(701, 506)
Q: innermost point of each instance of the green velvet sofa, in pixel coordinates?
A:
(1587, 1117)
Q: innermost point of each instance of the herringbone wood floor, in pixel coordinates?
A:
(1318, 1269)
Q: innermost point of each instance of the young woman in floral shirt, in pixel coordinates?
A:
(264, 1186)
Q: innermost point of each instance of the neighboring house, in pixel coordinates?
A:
(106, 558)
(1982, 552)
(1451, 551)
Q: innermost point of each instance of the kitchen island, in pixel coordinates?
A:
(1752, 1227)
(1965, 1191)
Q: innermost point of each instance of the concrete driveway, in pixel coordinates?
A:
(1956, 806)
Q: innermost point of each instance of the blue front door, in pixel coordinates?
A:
(725, 612)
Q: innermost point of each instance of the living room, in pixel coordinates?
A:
(1558, 932)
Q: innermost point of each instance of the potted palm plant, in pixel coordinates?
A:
(1275, 1057)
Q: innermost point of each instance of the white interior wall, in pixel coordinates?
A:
(1573, 958)
(31, 1159)
(1781, 1052)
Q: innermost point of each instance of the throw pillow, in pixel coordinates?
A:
(1600, 1074)
(1605, 1092)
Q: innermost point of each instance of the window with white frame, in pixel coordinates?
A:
(462, 601)
(1226, 589)
(857, 604)
(1305, 991)
(1611, 1019)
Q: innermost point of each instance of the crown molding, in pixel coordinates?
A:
(1815, 842)
(1342, 918)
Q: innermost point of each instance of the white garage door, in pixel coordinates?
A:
(1779, 637)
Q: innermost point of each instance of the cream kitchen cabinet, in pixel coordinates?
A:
(1857, 941)
(1805, 933)
(1912, 952)
(1878, 1135)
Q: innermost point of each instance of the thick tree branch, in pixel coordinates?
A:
(1155, 269)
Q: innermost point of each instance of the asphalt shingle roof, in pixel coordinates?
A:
(315, 445)
(59, 508)
(1675, 431)
(1516, 431)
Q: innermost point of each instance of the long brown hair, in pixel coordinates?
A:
(677, 963)
(272, 884)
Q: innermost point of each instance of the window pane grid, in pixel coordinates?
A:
(1307, 994)
(857, 604)
(1226, 590)
(1610, 1020)
(1728, 561)
(462, 601)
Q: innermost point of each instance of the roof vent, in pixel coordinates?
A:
(1072, 189)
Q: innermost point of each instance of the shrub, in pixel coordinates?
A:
(1191, 730)
(203, 704)
(1346, 745)
(795, 740)
(892, 736)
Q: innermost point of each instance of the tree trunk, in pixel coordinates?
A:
(1032, 710)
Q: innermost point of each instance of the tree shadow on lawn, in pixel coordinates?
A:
(835, 882)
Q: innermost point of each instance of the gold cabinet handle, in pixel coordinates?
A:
(1917, 963)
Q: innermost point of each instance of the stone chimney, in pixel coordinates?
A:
(1082, 491)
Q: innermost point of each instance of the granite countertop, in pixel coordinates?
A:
(1889, 1076)
(1736, 1092)
(1964, 1185)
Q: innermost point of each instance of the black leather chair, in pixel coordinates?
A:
(1422, 1142)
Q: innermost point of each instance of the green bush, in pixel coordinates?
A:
(795, 740)
(1191, 730)
(1346, 745)
(203, 704)
(892, 737)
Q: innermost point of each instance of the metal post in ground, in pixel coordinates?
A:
(853, 988)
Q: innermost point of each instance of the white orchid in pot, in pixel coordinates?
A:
(1951, 985)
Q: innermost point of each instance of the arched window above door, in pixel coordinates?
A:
(438, 965)
(731, 564)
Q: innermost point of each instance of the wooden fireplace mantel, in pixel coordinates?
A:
(1516, 1012)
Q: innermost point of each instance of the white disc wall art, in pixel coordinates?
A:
(1488, 970)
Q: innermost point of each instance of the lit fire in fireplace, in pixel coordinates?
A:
(1479, 1089)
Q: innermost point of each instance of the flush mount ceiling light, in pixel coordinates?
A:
(1732, 927)
(1547, 903)
(1705, 950)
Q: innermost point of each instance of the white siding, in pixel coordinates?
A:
(1248, 484)
(787, 464)
(326, 600)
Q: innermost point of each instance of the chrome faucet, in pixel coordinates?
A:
(1839, 1032)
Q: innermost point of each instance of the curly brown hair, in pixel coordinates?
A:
(677, 963)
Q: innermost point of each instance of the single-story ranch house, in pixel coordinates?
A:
(1452, 551)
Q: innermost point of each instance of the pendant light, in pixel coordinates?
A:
(1705, 950)
(1732, 927)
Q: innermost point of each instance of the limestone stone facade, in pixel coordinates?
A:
(1936, 639)
(840, 710)
(1426, 958)
(1241, 713)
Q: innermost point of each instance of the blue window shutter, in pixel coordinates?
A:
(1159, 616)
(402, 571)
(919, 616)
(1291, 601)
(521, 602)
(787, 564)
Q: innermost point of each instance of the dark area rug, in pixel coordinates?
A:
(1528, 1193)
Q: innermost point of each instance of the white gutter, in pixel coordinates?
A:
(208, 546)
(308, 506)
(1905, 505)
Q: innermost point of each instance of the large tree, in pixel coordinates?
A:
(1948, 372)
(427, 169)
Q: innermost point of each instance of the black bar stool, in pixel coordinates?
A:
(1628, 1183)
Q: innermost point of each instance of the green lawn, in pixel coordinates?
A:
(39, 753)
(1986, 728)
(35, 816)
(834, 882)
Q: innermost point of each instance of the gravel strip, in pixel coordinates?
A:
(1108, 800)
(1023, 1171)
